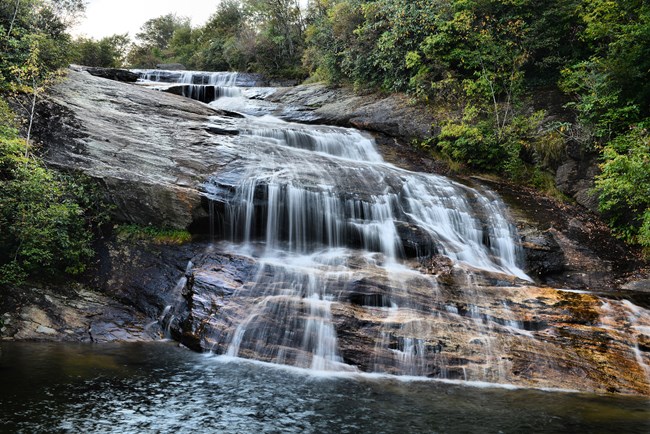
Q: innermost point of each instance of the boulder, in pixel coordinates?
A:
(109, 73)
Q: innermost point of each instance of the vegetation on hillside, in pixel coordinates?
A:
(46, 218)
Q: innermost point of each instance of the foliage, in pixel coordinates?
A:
(478, 144)
(33, 41)
(42, 225)
(156, 235)
(264, 36)
(46, 219)
(108, 52)
(277, 28)
(156, 37)
(624, 185)
(225, 39)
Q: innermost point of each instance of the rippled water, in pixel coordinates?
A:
(134, 388)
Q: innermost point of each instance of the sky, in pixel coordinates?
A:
(108, 17)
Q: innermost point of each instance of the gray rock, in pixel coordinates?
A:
(641, 285)
(392, 115)
(148, 149)
(544, 256)
(575, 178)
(109, 73)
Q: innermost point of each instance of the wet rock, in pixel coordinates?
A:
(416, 242)
(544, 256)
(72, 315)
(566, 245)
(213, 278)
(109, 73)
(463, 328)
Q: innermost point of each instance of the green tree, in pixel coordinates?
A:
(109, 52)
(279, 28)
(33, 39)
(158, 32)
(155, 39)
(624, 185)
(611, 86)
(223, 38)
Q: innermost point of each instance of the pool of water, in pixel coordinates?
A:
(135, 388)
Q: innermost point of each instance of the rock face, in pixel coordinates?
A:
(72, 315)
(149, 149)
(575, 178)
(321, 104)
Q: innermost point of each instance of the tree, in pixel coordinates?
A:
(108, 52)
(158, 32)
(33, 32)
(43, 230)
(279, 36)
(156, 36)
(611, 85)
(222, 39)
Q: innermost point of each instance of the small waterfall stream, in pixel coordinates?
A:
(339, 237)
(201, 86)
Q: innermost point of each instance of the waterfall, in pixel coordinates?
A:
(321, 211)
(202, 86)
(337, 235)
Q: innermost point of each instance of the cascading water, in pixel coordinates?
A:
(201, 86)
(326, 257)
(321, 212)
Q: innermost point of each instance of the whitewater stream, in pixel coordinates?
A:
(339, 239)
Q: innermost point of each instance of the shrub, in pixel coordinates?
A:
(43, 229)
(156, 235)
(624, 186)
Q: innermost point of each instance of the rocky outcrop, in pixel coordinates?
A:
(497, 329)
(575, 176)
(150, 150)
(566, 245)
(393, 115)
(110, 73)
(71, 314)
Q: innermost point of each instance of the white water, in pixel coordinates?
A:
(201, 86)
(319, 208)
(321, 212)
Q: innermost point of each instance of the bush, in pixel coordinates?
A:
(43, 225)
(156, 235)
(624, 186)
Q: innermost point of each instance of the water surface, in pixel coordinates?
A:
(134, 388)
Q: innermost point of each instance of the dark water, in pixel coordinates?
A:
(163, 388)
